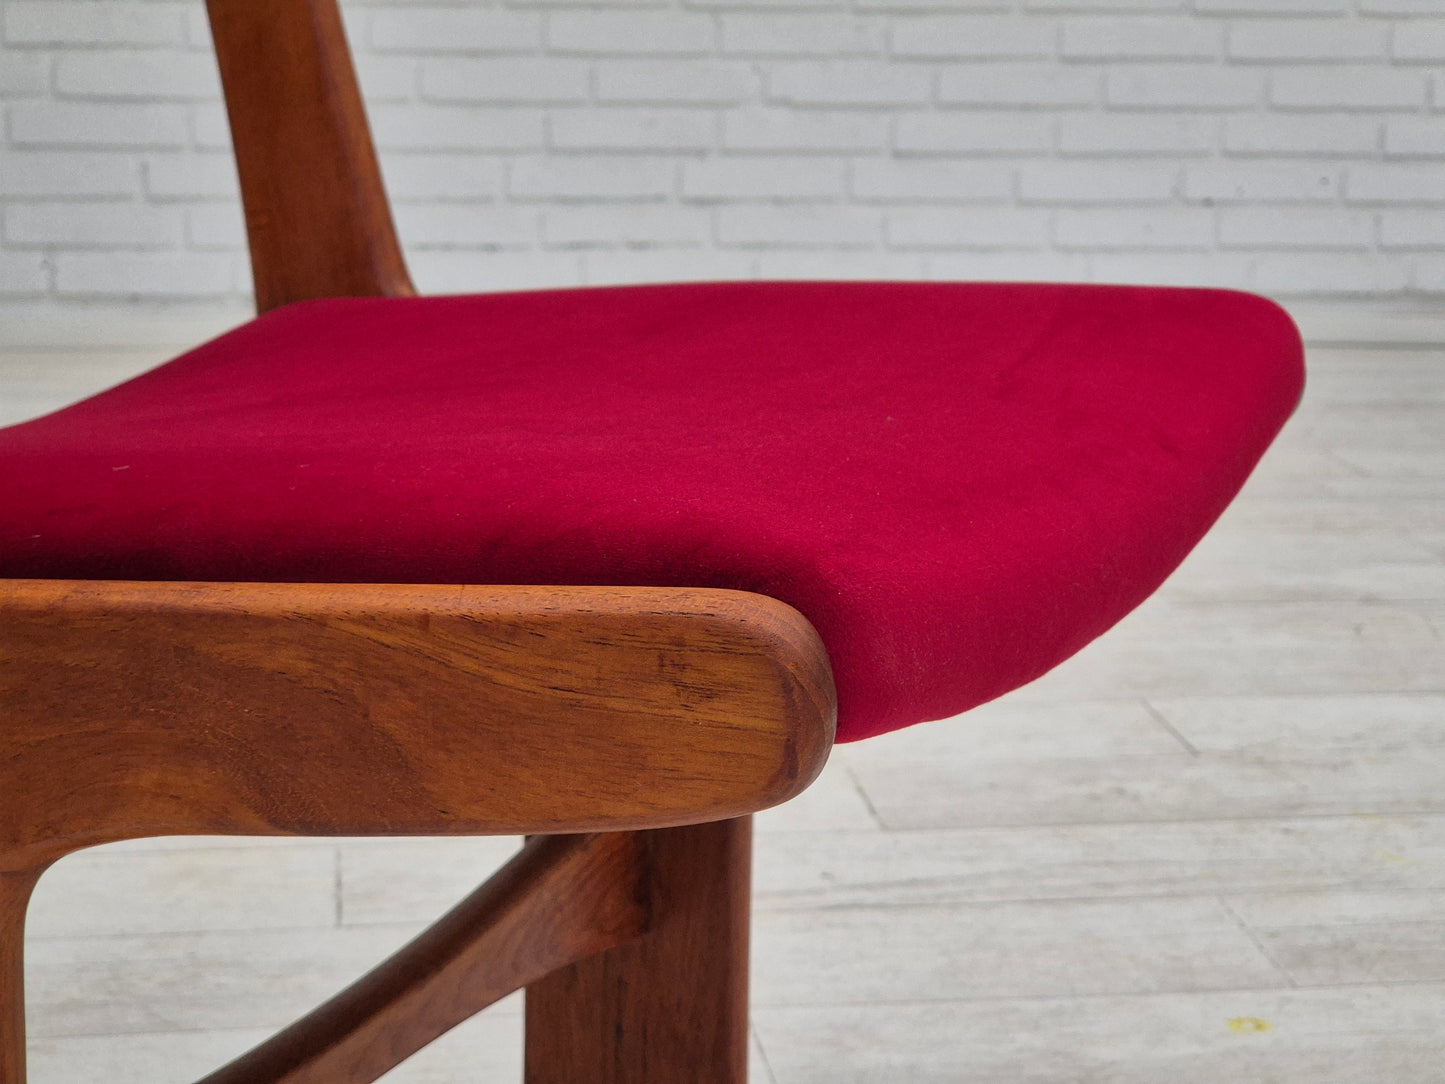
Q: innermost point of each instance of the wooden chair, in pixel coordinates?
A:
(630, 731)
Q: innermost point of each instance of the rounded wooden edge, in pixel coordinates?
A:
(776, 639)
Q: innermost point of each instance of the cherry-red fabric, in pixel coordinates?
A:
(960, 485)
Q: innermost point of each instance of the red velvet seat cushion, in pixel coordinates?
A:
(959, 485)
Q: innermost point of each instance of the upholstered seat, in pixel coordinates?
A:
(958, 485)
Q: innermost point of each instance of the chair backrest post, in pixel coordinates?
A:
(317, 218)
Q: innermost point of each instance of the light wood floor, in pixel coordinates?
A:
(1211, 848)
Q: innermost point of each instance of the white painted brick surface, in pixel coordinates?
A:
(1416, 136)
(1295, 147)
(971, 228)
(1097, 182)
(98, 124)
(92, 225)
(1019, 84)
(1352, 87)
(749, 178)
(889, 180)
(93, 22)
(1183, 87)
(1295, 227)
(781, 34)
(24, 275)
(1177, 38)
(1291, 39)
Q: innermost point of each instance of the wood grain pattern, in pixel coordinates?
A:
(317, 218)
(15, 889)
(671, 1006)
(561, 899)
(136, 709)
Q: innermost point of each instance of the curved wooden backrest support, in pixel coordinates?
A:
(317, 217)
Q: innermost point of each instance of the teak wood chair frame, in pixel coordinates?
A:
(631, 732)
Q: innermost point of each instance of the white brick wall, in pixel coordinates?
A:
(1291, 146)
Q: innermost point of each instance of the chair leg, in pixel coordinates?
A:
(15, 889)
(672, 1006)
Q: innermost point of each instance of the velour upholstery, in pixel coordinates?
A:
(960, 485)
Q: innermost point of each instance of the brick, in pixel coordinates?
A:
(505, 80)
(1271, 7)
(1317, 40)
(933, 5)
(216, 225)
(1154, 38)
(1327, 273)
(955, 227)
(1004, 266)
(1019, 84)
(1400, 7)
(461, 271)
(64, 174)
(430, 225)
(693, 82)
(569, 177)
(145, 274)
(760, 5)
(941, 37)
(1213, 269)
(412, 176)
(1183, 87)
(458, 128)
(974, 133)
(799, 131)
(827, 33)
(24, 274)
(1155, 228)
(98, 124)
(862, 265)
(92, 225)
(1295, 227)
(1415, 136)
(417, 29)
(611, 33)
(198, 28)
(800, 225)
(617, 266)
(857, 83)
(1102, 7)
(23, 74)
(1412, 229)
(763, 178)
(912, 180)
(148, 74)
(634, 130)
(644, 224)
(1136, 135)
(387, 78)
(1341, 134)
(210, 127)
(1251, 182)
(1428, 275)
(1347, 88)
(191, 176)
(1381, 183)
(92, 22)
(1090, 182)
